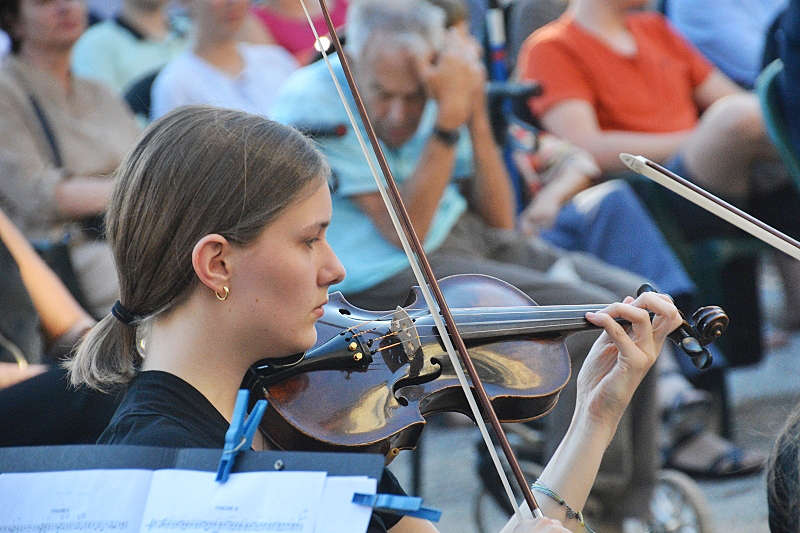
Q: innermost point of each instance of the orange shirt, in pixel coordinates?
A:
(651, 91)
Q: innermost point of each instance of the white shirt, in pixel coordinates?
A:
(189, 79)
(5, 44)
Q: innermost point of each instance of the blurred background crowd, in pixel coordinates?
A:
(503, 120)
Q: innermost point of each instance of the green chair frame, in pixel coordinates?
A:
(767, 90)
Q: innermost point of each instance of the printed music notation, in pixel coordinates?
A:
(170, 500)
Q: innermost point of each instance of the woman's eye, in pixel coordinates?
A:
(310, 242)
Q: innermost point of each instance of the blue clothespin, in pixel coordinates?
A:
(240, 433)
(397, 504)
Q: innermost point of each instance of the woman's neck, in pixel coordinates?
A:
(150, 22)
(222, 53)
(186, 343)
(293, 8)
(598, 16)
(606, 22)
(55, 63)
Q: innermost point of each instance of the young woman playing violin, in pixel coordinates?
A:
(217, 223)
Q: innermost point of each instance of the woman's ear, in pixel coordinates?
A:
(211, 261)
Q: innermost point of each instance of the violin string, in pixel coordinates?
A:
(510, 331)
(528, 324)
(464, 312)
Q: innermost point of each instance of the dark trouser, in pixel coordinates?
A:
(45, 410)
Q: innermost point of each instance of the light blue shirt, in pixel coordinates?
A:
(730, 33)
(308, 100)
(111, 54)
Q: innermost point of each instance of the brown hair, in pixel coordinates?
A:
(198, 170)
(783, 479)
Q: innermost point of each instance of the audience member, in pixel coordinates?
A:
(788, 43)
(617, 81)
(285, 23)
(61, 137)
(219, 69)
(137, 41)
(730, 33)
(431, 117)
(37, 404)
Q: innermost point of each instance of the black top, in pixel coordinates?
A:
(160, 409)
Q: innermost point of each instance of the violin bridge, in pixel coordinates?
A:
(405, 330)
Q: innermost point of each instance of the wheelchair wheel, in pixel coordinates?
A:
(678, 505)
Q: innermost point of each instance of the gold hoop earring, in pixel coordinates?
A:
(224, 296)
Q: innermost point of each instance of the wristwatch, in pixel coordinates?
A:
(447, 137)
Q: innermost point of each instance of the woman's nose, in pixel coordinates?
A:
(333, 271)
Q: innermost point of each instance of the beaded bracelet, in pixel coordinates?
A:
(570, 512)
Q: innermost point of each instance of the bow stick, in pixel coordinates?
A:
(425, 276)
(711, 203)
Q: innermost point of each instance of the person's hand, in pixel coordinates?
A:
(12, 373)
(540, 214)
(621, 356)
(453, 79)
(542, 525)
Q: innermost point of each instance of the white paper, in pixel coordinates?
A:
(134, 501)
(186, 500)
(338, 513)
(78, 500)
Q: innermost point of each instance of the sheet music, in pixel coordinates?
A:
(78, 500)
(169, 501)
(187, 500)
(338, 513)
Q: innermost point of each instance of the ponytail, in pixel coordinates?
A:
(106, 356)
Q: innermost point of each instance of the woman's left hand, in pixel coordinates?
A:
(622, 355)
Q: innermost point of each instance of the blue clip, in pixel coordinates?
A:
(397, 504)
(240, 433)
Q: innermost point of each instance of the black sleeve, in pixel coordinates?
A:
(151, 430)
(381, 521)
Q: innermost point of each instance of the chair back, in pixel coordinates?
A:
(772, 111)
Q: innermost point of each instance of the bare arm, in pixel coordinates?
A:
(575, 121)
(492, 196)
(82, 196)
(717, 85)
(58, 311)
(572, 171)
(421, 193)
(607, 380)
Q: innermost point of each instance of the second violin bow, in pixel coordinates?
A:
(711, 203)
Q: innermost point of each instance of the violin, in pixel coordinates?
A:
(373, 378)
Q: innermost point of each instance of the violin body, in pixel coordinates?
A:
(373, 378)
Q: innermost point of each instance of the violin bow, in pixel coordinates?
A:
(712, 204)
(424, 274)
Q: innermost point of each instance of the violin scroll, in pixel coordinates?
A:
(710, 322)
(707, 324)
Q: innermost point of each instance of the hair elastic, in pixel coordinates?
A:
(122, 314)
